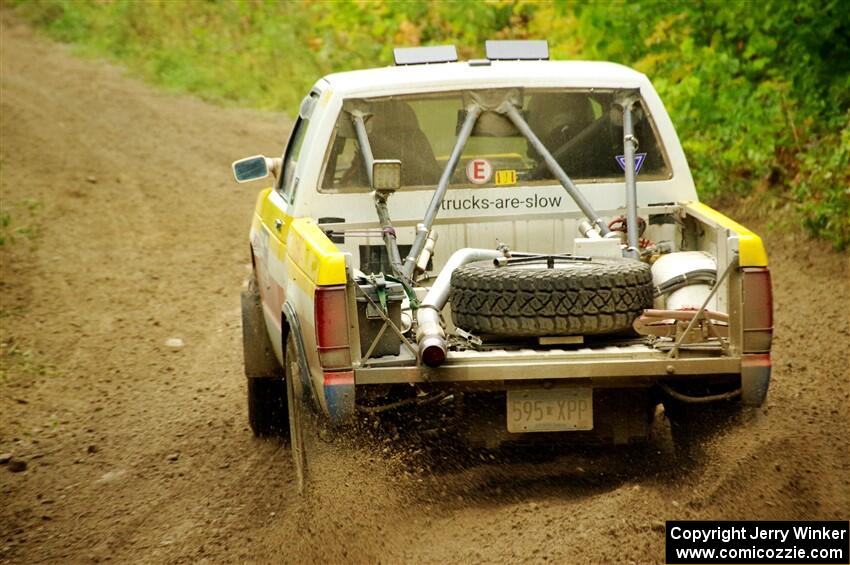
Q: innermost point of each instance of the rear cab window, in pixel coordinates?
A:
(581, 128)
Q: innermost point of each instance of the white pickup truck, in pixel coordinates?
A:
(514, 238)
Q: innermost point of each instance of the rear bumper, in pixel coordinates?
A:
(641, 370)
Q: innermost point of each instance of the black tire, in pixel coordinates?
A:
(302, 417)
(311, 432)
(267, 408)
(573, 298)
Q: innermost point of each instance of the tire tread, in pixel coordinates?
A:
(575, 299)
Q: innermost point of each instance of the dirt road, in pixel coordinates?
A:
(136, 452)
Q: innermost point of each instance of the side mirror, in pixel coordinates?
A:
(386, 175)
(255, 168)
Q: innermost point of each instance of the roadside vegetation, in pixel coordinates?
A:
(759, 92)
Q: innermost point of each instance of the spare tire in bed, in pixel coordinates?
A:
(571, 298)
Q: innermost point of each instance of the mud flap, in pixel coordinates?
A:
(755, 379)
(259, 357)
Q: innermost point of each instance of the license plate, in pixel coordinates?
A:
(550, 410)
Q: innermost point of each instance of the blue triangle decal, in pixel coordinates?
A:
(639, 159)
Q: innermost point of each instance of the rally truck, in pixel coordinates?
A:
(513, 239)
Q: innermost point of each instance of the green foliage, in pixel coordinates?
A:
(759, 91)
(822, 186)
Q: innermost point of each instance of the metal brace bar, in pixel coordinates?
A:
(392, 326)
(375, 343)
(583, 203)
(363, 141)
(629, 146)
(387, 231)
(355, 233)
(472, 113)
(674, 352)
(520, 258)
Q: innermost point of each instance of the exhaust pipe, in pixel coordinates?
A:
(430, 334)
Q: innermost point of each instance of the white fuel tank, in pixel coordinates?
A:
(672, 265)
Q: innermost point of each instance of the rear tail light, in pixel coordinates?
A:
(332, 327)
(758, 310)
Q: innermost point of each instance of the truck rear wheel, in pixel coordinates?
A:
(301, 416)
(310, 431)
(571, 298)
(267, 410)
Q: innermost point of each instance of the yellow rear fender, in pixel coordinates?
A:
(314, 254)
(312, 260)
(751, 252)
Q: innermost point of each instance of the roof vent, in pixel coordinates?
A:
(514, 50)
(425, 55)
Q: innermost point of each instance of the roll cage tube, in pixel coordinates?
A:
(387, 230)
(423, 229)
(511, 111)
(363, 141)
(630, 144)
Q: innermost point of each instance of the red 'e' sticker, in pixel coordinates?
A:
(479, 171)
